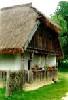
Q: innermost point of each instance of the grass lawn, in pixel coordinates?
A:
(50, 92)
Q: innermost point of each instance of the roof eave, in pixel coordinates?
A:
(11, 51)
(50, 24)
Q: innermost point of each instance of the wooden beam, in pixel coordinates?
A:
(7, 84)
(31, 34)
(40, 51)
(11, 51)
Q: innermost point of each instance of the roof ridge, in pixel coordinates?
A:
(20, 5)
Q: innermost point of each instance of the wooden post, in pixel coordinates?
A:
(28, 76)
(7, 84)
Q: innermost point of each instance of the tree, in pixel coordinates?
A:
(61, 18)
(62, 8)
(61, 22)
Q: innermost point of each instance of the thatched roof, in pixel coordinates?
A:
(16, 23)
(48, 22)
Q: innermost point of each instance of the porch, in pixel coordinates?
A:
(27, 80)
(33, 76)
(36, 78)
(40, 74)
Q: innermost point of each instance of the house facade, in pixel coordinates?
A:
(28, 41)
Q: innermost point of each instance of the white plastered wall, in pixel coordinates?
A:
(25, 60)
(38, 60)
(51, 60)
(41, 61)
(10, 62)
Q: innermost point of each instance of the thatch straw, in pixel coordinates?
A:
(16, 23)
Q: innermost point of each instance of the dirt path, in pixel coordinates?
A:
(35, 85)
(65, 97)
(2, 84)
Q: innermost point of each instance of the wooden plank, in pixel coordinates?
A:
(31, 34)
(7, 84)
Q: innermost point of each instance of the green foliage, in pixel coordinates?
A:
(63, 66)
(62, 9)
(61, 22)
(61, 18)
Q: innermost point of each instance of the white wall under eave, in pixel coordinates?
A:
(51, 60)
(10, 62)
(41, 61)
(26, 57)
(38, 60)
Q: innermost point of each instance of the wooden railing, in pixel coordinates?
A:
(48, 74)
(35, 74)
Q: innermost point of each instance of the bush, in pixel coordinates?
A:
(63, 66)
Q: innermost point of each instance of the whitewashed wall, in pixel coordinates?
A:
(10, 62)
(51, 60)
(38, 60)
(25, 60)
(41, 61)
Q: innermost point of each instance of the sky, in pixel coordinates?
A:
(47, 7)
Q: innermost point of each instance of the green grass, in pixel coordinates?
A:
(50, 92)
